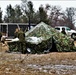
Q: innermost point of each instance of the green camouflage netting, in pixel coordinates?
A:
(43, 38)
(63, 43)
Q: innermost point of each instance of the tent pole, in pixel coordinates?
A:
(7, 30)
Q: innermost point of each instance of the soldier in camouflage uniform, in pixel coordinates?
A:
(21, 36)
(0, 36)
(16, 33)
(63, 31)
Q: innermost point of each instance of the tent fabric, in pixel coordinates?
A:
(63, 42)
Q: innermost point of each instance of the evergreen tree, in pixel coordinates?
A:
(10, 14)
(42, 14)
(18, 13)
(0, 15)
(28, 11)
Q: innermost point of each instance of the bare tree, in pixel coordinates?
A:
(55, 13)
(70, 14)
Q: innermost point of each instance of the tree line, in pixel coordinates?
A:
(52, 15)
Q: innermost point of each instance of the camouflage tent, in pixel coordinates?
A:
(43, 38)
(47, 33)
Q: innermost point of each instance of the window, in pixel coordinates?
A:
(68, 29)
(57, 28)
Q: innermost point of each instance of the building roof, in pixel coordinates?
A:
(16, 24)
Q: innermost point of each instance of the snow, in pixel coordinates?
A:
(15, 39)
(28, 49)
(58, 69)
(34, 40)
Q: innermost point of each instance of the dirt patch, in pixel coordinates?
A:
(75, 43)
(3, 47)
(43, 64)
(54, 63)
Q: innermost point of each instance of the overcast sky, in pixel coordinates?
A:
(37, 3)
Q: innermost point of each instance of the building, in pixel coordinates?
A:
(9, 28)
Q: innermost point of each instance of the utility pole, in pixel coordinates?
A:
(29, 22)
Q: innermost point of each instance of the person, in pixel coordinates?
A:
(21, 35)
(0, 36)
(16, 33)
(3, 38)
(63, 31)
(22, 44)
